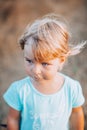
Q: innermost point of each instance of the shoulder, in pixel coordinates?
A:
(21, 82)
(17, 91)
(73, 86)
(20, 85)
(74, 91)
(71, 83)
(70, 80)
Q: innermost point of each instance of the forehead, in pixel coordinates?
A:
(40, 50)
(28, 52)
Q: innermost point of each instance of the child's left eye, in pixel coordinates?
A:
(45, 64)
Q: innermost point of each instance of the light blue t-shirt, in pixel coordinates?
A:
(44, 112)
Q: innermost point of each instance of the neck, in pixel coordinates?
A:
(49, 86)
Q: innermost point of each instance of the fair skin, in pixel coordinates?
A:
(13, 119)
(44, 75)
(77, 118)
(46, 79)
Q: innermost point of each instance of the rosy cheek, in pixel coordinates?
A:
(27, 69)
(47, 76)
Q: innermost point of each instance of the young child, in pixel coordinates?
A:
(46, 98)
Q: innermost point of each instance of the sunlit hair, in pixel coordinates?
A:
(49, 37)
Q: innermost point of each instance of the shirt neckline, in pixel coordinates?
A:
(48, 95)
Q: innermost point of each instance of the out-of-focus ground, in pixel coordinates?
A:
(14, 16)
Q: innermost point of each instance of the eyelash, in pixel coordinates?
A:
(29, 61)
(44, 64)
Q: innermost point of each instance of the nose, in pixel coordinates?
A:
(36, 69)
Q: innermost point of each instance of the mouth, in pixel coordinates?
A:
(37, 77)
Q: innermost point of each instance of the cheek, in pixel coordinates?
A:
(50, 74)
(27, 69)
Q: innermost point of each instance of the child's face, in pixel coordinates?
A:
(40, 71)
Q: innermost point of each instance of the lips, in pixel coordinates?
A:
(37, 77)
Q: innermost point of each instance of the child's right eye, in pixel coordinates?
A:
(29, 61)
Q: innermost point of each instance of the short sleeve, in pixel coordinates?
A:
(12, 98)
(77, 95)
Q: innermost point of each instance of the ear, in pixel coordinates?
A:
(63, 59)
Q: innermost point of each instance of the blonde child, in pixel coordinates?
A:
(46, 98)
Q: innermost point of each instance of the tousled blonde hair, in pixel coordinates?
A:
(50, 39)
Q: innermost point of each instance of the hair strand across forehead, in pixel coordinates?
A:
(50, 38)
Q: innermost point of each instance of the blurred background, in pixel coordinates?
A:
(14, 16)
